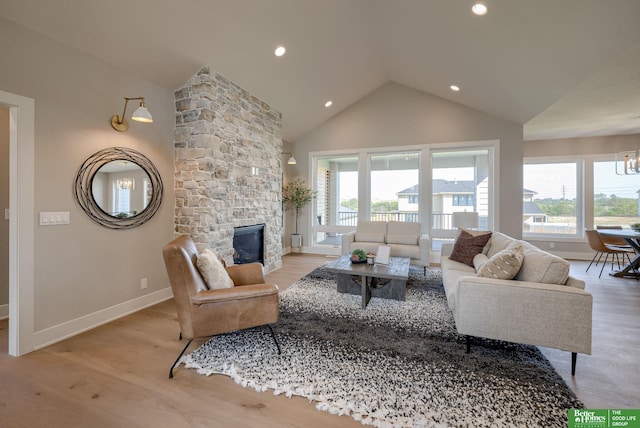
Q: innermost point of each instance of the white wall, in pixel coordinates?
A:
(395, 115)
(83, 269)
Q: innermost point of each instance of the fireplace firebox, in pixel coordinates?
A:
(248, 244)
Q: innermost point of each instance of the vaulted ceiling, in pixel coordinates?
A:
(561, 68)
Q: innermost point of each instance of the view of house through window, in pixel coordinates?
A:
(460, 182)
(549, 198)
(394, 187)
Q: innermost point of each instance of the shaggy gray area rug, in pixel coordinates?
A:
(393, 364)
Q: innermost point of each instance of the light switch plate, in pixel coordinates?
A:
(54, 218)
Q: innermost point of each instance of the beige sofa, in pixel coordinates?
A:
(405, 239)
(541, 306)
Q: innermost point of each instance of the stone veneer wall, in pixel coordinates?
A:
(228, 168)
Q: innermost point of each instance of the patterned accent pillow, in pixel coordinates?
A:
(467, 246)
(503, 265)
(214, 274)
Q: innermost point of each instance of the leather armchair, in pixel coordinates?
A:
(204, 312)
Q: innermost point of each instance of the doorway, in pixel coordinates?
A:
(21, 221)
(4, 230)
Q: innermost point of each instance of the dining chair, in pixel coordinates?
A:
(597, 244)
(613, 240)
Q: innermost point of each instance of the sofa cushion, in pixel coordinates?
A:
(366, 226)
(499, 241)
(401, 250)
(370, 237)
(503, 265)
(213, 273)
(467, 246)
(403, 239)
(540, 266)
(451, 272)
(404, 228)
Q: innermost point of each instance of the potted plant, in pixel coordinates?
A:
(296, 195)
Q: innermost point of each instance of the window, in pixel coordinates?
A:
(394, 187)
(463, 201)
(121, 201)
(336, 201)
(385, 185)
(616, 198)
(461, 181)
(550, 198)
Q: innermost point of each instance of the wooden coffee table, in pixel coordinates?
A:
(372, 278)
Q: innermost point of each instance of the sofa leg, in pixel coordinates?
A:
(468, 344)
(574, 356)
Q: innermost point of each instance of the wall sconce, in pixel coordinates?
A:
(292, 160)
(141, 114)
(630, 163)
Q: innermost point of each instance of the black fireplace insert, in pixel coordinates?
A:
(248, 244)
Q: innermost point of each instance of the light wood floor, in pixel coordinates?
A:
(116, 375)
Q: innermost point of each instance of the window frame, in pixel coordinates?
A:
(425, 214)
(582, 166)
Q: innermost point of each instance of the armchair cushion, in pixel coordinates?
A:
(211, 269)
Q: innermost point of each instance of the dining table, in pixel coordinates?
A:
(631, 269)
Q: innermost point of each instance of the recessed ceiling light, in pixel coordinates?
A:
(454, 88)
(328, 104)
(280, 50)
(479, 8)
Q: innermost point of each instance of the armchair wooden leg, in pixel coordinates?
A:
(468, 344)
(178, 359)
(574, 356)
(274, 339)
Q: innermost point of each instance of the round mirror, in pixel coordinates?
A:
(118, 188)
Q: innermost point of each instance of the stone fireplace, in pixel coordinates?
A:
(228, 170)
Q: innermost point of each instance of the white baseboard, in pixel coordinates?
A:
(63, 331)
(4, 311)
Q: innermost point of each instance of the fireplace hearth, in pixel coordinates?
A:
(248, 244)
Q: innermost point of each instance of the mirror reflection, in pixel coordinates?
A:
(121, 189)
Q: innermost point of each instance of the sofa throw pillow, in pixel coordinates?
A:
(479, 260)
(467, 246)
(503, 265)
(214, 274)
